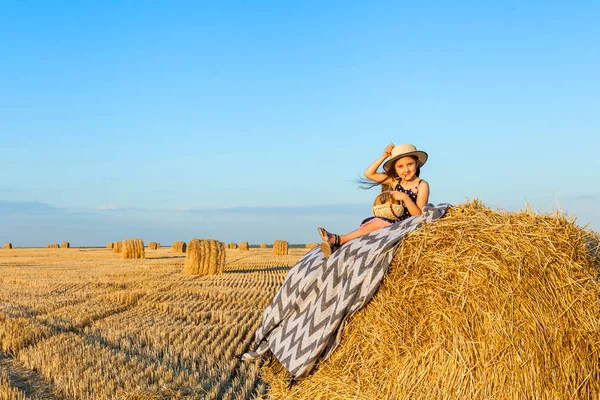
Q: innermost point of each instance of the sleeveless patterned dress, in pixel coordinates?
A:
(413, 197)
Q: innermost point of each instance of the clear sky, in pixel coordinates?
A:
(251, 121)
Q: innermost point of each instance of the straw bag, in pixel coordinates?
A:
(385, 206)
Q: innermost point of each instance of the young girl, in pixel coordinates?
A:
(401, 173)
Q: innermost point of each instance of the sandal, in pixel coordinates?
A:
(331, 242)
(326, 236)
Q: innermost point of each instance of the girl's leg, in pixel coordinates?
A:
(332, 241)
(362, 230)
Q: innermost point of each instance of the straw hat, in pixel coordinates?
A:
(404, 150)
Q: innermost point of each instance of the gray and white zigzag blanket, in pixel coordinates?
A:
(303, 323)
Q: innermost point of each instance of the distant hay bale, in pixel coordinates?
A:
(133, 248)
(178, 247)
(205, 257)
(311, 245)
(8, 245)
(117, 246)
(263, 245)
(65, 245)
(53, 246)
(280, 248)
(110, 245)
(479, 304)
(233, 245)
(244, 246)
(152, 246)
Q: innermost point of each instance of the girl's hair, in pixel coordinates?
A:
(369, 184)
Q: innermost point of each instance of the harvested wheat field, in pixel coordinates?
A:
(87, 324)
(481, 304)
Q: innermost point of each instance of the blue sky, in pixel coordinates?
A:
(250, 121)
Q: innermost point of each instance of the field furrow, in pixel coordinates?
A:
(89, 325)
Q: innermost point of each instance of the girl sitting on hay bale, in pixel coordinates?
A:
(402, 172)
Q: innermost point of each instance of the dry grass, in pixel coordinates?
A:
(179, 247)
(478, 305)
(153, 246)
(205, 257)
(17, 382)
(133, 248)
(53, 246)
(85, 324)
(244, 246)
(263, 245)
(311, 245)
(65, 245)
(280, 248)
(9, 392)
(233, 245)
(110, 245)
(117, 247)
(7, 246)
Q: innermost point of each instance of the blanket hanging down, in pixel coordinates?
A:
(303, 323)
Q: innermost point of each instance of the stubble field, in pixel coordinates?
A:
(86, 324)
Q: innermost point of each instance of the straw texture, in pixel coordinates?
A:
(153, 246)
(244, 246)
(386, 206)
(8, 245)
(65, 245)
(178, 247)
(481, 304)
(132, 248)
(280, 248)
(117, 246)
(205, 257)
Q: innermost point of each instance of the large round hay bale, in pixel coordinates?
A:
(233, 245)
(152, 246)
(480, 304)
(280, 248)
(8, 245)
(133, 248)
(65, 245)
(110, 245)
(244, 246)
(263, 245)
(311, 245)
(117, 246)
(178, 247)
(205, 257)
(53, 246)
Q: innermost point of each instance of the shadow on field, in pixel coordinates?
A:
(266, 269)
(29, 265)
(30, 383)
(165, 257)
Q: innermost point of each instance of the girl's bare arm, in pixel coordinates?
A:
(422, 199)
(371, 171)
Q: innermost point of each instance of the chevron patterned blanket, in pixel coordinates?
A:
(303, 323)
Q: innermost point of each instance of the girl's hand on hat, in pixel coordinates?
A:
(388, 150)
